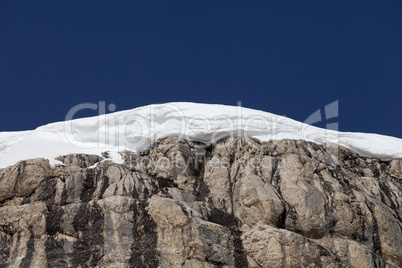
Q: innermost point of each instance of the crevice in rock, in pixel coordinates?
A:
(89, 185)
(275, 164)
(6, 201)
(388, 194)
(215, 263)
(377, 248)
(287, 214)
(105, 185)
(201, 188)
(5, 245)
(26, 261)
(144, 249)
(54, 220)
(89, 224)
(305, 149)
(229, 221)
(55, 254)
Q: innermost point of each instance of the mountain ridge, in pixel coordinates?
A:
(136, 129)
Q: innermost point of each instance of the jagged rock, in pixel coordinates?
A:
(268, 246)
(237, 203)
(22, 178)
(80, 160)
(396, 168)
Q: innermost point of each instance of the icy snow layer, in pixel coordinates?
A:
(136, 129)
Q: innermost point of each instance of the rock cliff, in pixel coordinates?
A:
(237, 203)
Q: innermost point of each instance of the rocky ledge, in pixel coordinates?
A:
(237, 203)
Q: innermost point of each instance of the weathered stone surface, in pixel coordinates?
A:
(237, 203)
(396, 168)
(22, 178)
(272, 247)
(79, 160)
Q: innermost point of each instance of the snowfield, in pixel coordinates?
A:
(136, 129)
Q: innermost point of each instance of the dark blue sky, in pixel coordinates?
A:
(285, 57)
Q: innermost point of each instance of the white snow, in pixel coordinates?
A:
(135, 130)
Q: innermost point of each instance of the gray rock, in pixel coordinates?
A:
(237, 203)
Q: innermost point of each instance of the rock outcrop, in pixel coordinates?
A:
(237, 203)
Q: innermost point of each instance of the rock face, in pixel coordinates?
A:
(238, 203)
